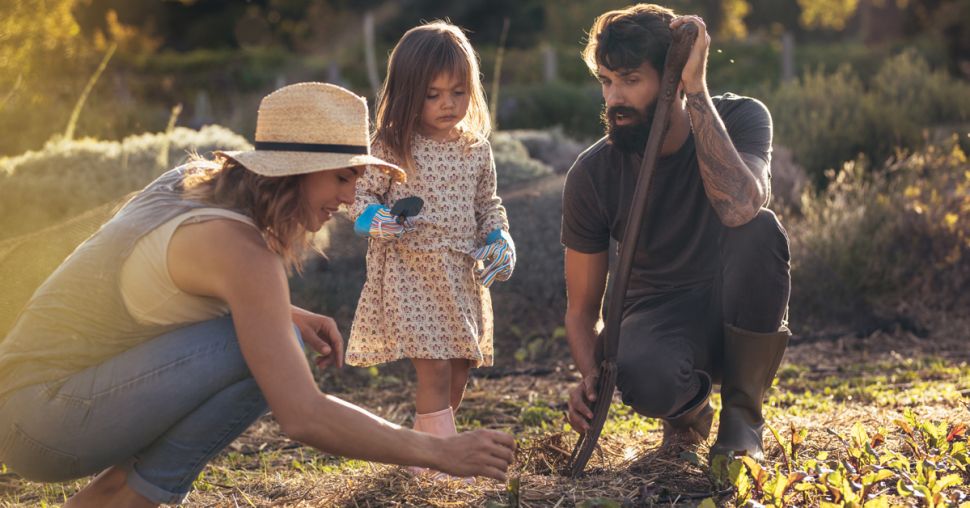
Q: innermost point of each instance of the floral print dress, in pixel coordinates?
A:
(422, 298)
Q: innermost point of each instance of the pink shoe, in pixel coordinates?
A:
(419, 427)
(441, 424)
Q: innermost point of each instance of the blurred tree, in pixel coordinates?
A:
(567, 23)
(732, 23)
(482, 18)
(773, 16)
(947, 22)
(827, 13)
(33, 33)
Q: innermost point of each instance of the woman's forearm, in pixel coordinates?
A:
(341, 428)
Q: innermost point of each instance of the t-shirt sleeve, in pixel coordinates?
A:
(584, 226)
(749, 125)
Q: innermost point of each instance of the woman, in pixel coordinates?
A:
(167, 333)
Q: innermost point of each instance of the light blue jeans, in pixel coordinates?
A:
(161, 410)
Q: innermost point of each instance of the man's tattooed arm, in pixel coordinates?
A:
(736, 184)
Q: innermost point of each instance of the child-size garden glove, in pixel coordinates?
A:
(377, 222)
(499, 254)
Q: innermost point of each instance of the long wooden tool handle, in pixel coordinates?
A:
(608, 341)
(680, 47)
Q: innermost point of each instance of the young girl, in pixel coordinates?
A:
(426, 297)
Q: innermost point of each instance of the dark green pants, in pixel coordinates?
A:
(665, 337)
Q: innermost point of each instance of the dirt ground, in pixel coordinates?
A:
(825, 386)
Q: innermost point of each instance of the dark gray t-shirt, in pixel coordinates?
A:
(678, 246)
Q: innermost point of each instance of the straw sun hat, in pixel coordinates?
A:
(309, 127)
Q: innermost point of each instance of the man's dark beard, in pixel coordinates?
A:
(628, 138)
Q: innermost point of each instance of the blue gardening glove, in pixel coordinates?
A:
(499, 255)
(377, 222)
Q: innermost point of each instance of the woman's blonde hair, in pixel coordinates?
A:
(422, 54)
(275, 203)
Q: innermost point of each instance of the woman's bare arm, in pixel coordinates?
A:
(228, 260)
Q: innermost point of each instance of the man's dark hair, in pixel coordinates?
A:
(625, 38)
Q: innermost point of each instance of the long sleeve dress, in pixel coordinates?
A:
(421, 298)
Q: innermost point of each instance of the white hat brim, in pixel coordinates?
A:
(283, 163)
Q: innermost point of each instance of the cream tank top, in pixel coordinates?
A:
(146, 284)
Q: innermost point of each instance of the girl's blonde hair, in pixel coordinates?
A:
(275, 203)
(422, 54)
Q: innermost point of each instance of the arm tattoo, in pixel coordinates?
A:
(736, 191)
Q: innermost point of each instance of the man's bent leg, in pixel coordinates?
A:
(755, 286)
(663, 362)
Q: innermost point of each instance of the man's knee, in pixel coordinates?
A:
(763, 226)
(762, 234)
(657, 387)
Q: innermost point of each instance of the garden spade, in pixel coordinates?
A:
(608, 340)
(406, 207)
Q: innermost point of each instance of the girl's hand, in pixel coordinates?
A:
(321, 334)
(499, 253)
(377, 222)
(477, 453)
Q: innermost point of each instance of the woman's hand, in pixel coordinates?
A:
(477, 453)
(322, 335)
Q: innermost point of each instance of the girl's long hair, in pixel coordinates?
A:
(422, 54)
(275, 203)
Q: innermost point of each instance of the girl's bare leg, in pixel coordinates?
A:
(459, 379)
(434, 385)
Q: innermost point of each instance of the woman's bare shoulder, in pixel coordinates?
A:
(203, 256)
(221, 234)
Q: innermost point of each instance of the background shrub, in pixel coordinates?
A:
(66, 178)
(824, 118)
(575, 108)
(830, 118)
(551, 146)
(875, 243)
(513, 165)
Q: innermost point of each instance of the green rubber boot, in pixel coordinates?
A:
(751, 360)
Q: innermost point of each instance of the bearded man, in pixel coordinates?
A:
(708, 292)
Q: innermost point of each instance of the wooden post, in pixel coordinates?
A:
(787, 57)
(369, 53)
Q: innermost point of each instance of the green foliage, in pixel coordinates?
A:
(824, 118)
(576, 108)
(739, 66)
(541, 416)
(920, 97)
(66, 178)
(902, 233)
(827, 13)
(869, 471)
(830, 118)
(31, 32)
